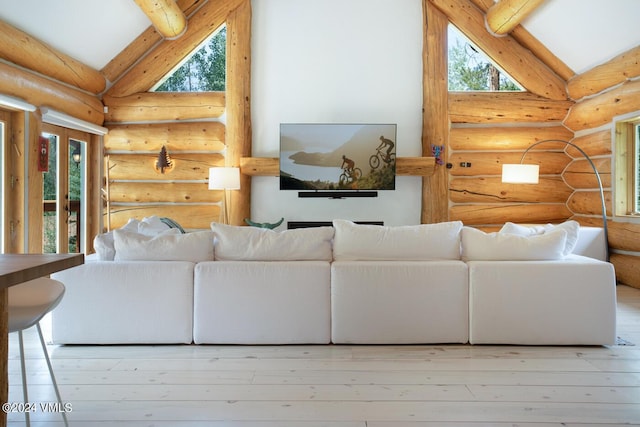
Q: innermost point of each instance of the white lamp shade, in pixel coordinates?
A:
(520, 174)
(224, 178)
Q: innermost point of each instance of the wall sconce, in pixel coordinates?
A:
(227, 178)
(164, 164)
(528, 174)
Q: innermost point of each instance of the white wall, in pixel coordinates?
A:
(336, 61)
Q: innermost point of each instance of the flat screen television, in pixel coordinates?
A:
(337, 156)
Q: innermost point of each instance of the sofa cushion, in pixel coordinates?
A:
(149, 226)
(571, 227)
(238, 243)
(361, 242)
(480, 246)
(194, 247)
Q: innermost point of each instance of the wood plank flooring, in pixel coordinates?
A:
(340, 386)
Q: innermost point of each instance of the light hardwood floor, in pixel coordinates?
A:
(341, 386)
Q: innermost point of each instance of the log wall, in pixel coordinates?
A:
(137, 190)
(603, 93)
(491, 129)
(187, 124)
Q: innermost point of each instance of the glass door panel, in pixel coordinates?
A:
(50, 235)
(75, 209)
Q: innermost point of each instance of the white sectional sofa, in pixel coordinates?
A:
(126, 302)
(350, 283)
(260, 302)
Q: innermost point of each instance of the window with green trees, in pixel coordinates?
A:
(626, 167)
(204, 70)
(471, 70)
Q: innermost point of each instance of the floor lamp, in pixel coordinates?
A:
(224, 178)
(528, 174)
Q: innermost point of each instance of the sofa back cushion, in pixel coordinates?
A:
(239, 243)
(571, 227)
(361, 242)
(194, 247)
(480, 246)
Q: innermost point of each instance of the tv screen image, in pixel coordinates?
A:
(330, 156)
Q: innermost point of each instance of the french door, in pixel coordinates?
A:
(64, 193)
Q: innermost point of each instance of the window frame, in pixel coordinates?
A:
(626, 173)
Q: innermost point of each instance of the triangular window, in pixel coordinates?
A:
(470, 69)
(202, 71)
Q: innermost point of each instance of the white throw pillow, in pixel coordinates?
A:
(571, 227)
(480, 246)
(239, 243)
(167, 246)
(522, 230)
(573, 230)
(151, 226)
(360, 242)
(103, 244)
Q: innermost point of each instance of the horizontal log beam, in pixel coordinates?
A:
(43, 92)
(523, 65)
(191, 216)
(492, 190)
(162, 192)
(505, 107)
(505, 15)
(490, 163)
(594, 144)
(504, 138)
(270, 166)
(260, 166)
(627, 269)
(188, 166)
(415, 166)
(579, 174)
(624, 236)
(618, 70)
(589, 203)
(29, 52)
(493, 214)
(599, 110)
(163, 106)
(182, 136)
(165, 15)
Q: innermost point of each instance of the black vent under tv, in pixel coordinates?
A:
(307, 224)
(336, 194)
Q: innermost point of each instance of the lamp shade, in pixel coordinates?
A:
(520, 174)
(224, 178)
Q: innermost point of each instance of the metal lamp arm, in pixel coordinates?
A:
(595, 171)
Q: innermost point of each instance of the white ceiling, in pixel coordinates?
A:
(586, 33)
(582, 33)
(91, 31)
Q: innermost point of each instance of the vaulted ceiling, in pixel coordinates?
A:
(581, 33)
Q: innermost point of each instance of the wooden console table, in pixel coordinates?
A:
(16, 269)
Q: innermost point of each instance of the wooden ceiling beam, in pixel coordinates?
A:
(141, 45)
(505, 15)
(26, 51)
(45, 92)
(165, 15)
(522, 36)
